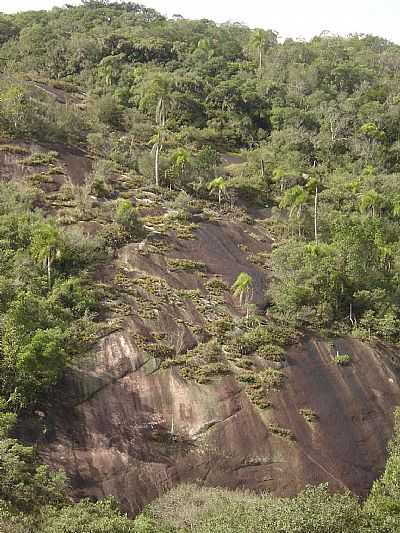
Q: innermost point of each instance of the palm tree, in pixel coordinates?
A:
(157, 141)
(46, 247)
(295, 199)
(260, 40)
(218, 184)
(243, 289)
(157, 94)
(371, 201)
(313, 186)
(396, 206)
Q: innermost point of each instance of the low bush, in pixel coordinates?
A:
(14, 149)
(40, 158)
(308, 414)
(342, 359)
(284, 433)
(187, 265)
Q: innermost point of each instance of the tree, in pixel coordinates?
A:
(219, 185)
(294, 199)
(157, 94)
(395, 206)
(371, 202)
(46, 247)
(26, 485)
(43, 359)
(127, 217)
(260, 40)
(383, 504)
(242, 288)
(86, 516)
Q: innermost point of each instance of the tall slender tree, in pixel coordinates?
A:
(157, 94)
(219, 185)
(242, 288)
(46, 247)
(260, 40)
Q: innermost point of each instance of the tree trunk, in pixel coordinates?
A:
(49, 271)
(219, 196)
(156, 169)
(315, 216)
(260, 59)
(262, 168)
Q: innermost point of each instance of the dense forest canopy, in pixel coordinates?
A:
(312, 133)
(321, 115)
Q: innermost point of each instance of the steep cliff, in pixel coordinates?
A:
(144, 411)
(129, 428)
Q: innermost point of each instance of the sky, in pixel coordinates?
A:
(291, 18)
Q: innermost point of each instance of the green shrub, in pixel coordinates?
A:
(342, 359)
(284, 433)
(271, 378)
(308, 414)
(14, 149)
(86, 516)
(250, 341)
(216, 286)
(127, 218)
(40, 158)
(187, 265)
(271, 352)
(160, 350)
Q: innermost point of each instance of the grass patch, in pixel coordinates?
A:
(220, 327)
(258, 384)
(308, 414)
(40, 158)
(14, 149)
(165, 224)
(201, 364)
(176, 265)
(216, 286)
(284, 433)
(271, 352)
(261, 259)
(40, 178)
(271, 378)
(257, 397)
(160, 350)
(342, 359)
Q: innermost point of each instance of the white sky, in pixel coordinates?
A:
(291, 18)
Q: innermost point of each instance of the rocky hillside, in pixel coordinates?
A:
(199, 274)
(182, 387)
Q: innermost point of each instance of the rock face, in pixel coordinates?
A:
(136, 432)
(120, 425)
(127, 428)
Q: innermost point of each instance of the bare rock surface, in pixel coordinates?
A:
(134, 432)
(128, 428)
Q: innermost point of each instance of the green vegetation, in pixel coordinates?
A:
(314, 123)
(186, 264)
(186, 122)
(14, 149)
(342, 359)
(243, 289)
(284, 433)
(40, 158)
(126, 216)
(45, 293)
(308, 414)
